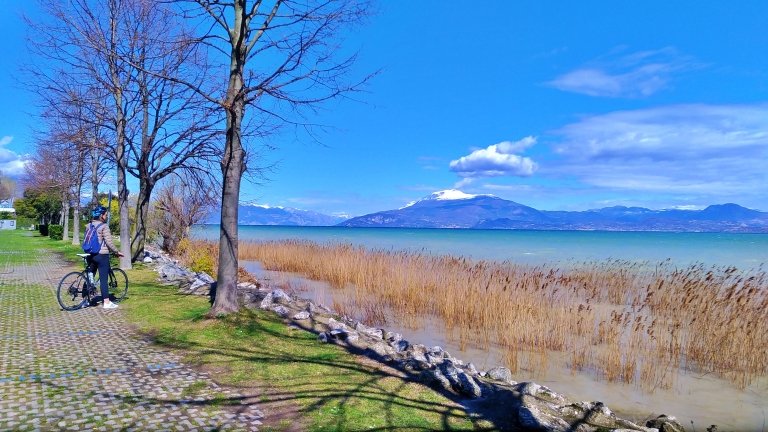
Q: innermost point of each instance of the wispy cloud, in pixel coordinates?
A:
(701, 150)
(633, 75)
(497, 160)
(11, 163)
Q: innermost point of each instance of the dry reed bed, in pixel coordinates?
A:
(624, 321)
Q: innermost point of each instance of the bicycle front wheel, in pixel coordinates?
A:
(72, 293)
(118, 284)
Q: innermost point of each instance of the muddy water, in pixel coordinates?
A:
(698, 398)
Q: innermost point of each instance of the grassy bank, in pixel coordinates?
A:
(623, 321)
(303, 384)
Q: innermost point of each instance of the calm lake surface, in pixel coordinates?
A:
(530, 247)
(695, 397)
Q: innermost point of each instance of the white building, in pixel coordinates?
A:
(7, 223)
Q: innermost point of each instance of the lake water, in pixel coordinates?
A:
(530, 247)
(697, 397)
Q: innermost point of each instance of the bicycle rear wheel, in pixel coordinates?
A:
(118, 284)
(72, 293)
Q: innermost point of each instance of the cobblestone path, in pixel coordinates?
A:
(87, 370)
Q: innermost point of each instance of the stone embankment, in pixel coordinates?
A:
(530, 406)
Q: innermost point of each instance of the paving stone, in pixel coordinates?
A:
(87, 370)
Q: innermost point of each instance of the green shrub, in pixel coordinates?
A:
(24, 223)
(56, 232)
(202, 260)
(43, 228)
(7, 216)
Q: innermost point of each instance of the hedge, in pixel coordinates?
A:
(56, 232)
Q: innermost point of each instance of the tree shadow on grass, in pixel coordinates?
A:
(327, 383)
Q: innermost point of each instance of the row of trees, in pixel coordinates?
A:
(171, 89)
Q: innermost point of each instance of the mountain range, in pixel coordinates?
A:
(267, 215)
(455, 209)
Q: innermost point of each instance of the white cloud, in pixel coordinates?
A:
(464, 182)
(497, 160)
(11, 163)
(697, 150)
(639, 74)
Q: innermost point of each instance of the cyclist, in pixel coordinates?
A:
(101, 259)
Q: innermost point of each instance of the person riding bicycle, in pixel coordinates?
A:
(100, 260)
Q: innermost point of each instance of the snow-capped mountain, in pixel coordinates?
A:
(447, 209)
(256, 214)
(456, 209)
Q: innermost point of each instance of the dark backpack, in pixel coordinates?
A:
(91, 241)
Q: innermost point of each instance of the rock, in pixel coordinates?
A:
(665, 423)
(435, 376)
(471, 369)
(303, 315)
(343, 335)
(468, 386)
(171, 272)
(323, 337)
(266, 303)
(434, 359)
(381, 349)
(532, 417)
(279, 296)
(399, 346)
(500, 374)
(336, 325)
(198, 287)
(417, 352)
(368, 331)
(311, 308)
(393, 337)
(541, 392)
(281, 310)
(147, 260)
(203, 276)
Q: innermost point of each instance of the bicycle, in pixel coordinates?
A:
(79, 289)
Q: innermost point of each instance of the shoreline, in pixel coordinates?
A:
(544, 407)
(630, 394)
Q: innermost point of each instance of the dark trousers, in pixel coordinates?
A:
(102, 262)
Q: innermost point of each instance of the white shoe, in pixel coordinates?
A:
(110, 305)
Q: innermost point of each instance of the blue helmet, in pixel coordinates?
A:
(98, 211)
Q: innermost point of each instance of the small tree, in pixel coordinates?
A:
(181, 203)
(278, 58)
(7, 187)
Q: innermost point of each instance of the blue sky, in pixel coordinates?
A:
(554, 104)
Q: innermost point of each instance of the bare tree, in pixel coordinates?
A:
(80, 41)
(281, 60)
(142, 125)
(175, 125)
(183, 202)
(7, 187)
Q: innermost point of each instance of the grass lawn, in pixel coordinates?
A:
(300, 380)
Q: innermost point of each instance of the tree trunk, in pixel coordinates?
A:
(76, 226)
(142, 213)
(65, 213)
(232, 167)
(94, 176)
(122, 202)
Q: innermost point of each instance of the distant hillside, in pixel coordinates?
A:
(266, 215)
(454, 209)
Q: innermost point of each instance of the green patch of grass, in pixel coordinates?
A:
(23, 247)
(332, 390)
(194, 388)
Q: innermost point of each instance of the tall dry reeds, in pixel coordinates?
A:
(628, 321)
